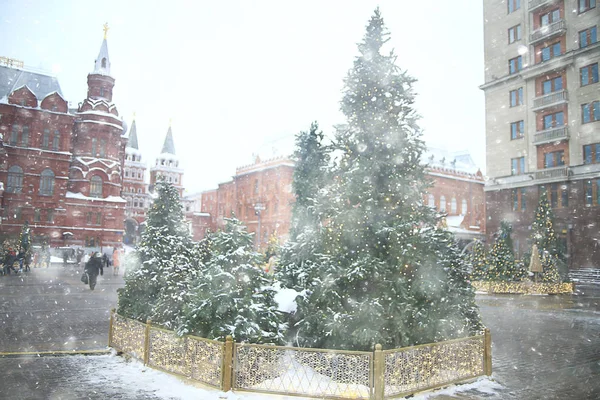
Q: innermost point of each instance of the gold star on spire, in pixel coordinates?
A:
(106, 28)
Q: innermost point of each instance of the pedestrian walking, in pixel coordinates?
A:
(27, 260)
(116, 260)
(94, 267)
(8, 263)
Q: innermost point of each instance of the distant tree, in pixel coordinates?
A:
(478, 260)
(501, 260)
(235, 296)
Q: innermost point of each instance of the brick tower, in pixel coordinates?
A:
(167, 165)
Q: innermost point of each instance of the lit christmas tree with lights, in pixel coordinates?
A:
(386, 273)
(163, 266)
(502, 265)
(544, 236)
(479, 263)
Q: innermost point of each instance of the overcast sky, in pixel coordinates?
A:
(243, 77)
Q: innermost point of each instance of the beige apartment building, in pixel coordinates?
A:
(543, 119)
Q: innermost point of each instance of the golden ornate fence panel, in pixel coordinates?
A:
(307, 372)
(207, 360)
(168, 352)
(428, 366)
(523, 287)
(128, 336)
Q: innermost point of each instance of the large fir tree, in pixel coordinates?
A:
(234, 296)
(386, 273)
(166, 260)
(478, 261)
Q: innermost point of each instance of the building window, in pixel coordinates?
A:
(591, 153)
(14, 182)
(554, 120)
(56, 141)
(590, 112)
(517, 166)
(518, 196)
(139, 190)
(102, 89)
(90, 241)
(94, 147)
(17, 213)
(516, 97)
(102, 147)
(552, 85)
(587, 75)
(514, 34)
(88, 218)
(517, 130)
(464, 207)
(586, 5)
(515, 65)
(25, 136)
(36, 215)
(453, 206)
(96, 186)
(104, 62)
(47, 182)
(587, 37)
(443, 204)
(551, 51)
(50, 215)
(256, 186)
(14, 136)
(46, 139)
(554, 159)
(98, 218)
(431, 201)
(514, 5)
(550, 17)
(558, 195)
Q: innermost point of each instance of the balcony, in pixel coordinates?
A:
(550, 99)
(535, 4)
(552, 173)
(546, 32)
(551, 135)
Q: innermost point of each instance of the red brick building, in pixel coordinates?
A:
(61, 168)
(261, 195)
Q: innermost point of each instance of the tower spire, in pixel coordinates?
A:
(102, 63)
(169, 146)
(133, 140)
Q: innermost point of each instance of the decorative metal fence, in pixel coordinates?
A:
(523, 287)
(315, 373)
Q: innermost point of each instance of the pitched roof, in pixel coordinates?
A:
(100, 67)
(39, 83)
(169, 146)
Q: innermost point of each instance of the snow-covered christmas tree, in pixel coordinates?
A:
(386, 274)
(501, 260)
(544, 236)
(478, 261)
(234, 296)
(166, 261)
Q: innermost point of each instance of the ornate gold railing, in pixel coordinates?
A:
(523, 287)
(315, 373)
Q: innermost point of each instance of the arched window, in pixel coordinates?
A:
(464, 207)
(96, 186)
(443, 203)
(453, 206)
(94, 147)
(46, 139)
(25, 136)
(15, 179)
(47, 182)
(104, 62)
(56, 141)
(126, 173)
(431, 201)
(139, 190)
(14, 135)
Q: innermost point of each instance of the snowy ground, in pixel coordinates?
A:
(114, 377)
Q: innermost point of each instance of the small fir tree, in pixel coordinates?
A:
(156, 286)
(502, 265)
(478, 261)
(234, 296)
(544, 236)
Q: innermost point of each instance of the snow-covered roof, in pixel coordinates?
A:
(168, 145)
(39, 83)
(456, 160)
(109, 199)
(133, 140)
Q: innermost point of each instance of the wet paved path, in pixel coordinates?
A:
(544, 347)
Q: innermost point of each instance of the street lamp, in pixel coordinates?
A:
(258, 208)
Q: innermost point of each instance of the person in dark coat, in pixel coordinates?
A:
(94, 267)
(9, 259)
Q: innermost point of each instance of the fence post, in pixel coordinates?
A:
(110, 327)
(379, 373)
(487, 353)
(227, 369)
(147, 342)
